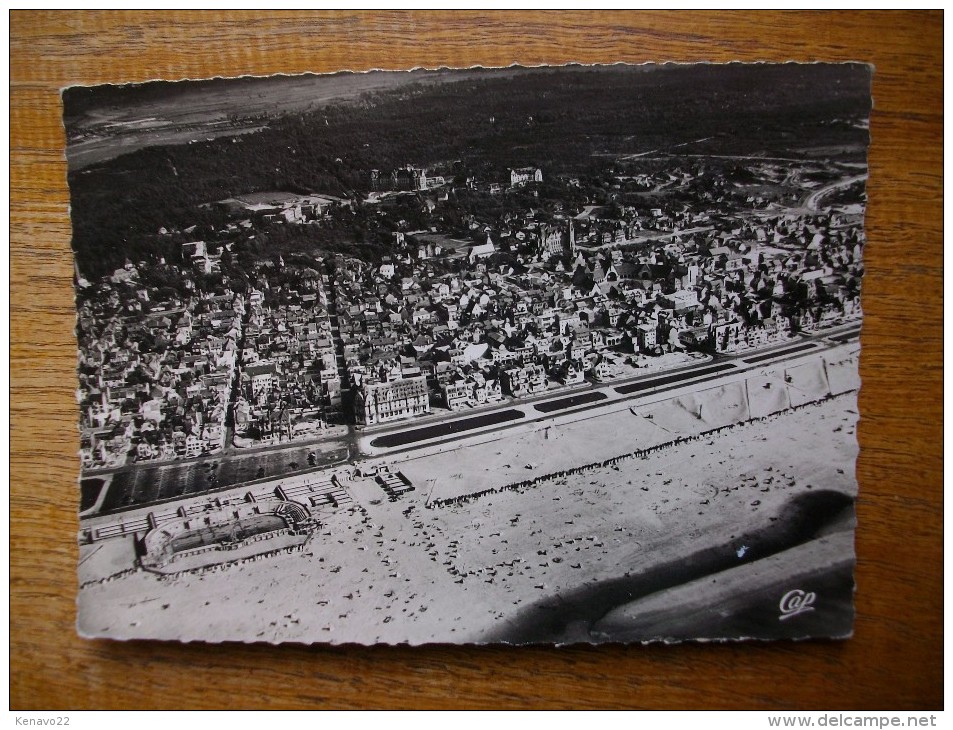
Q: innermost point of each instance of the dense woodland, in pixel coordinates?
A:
(572, 120)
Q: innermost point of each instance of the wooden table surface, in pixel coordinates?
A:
(895, 657)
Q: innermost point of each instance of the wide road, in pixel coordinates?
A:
(657, 382)
(493, 418)
(552, 406)
(786, 351)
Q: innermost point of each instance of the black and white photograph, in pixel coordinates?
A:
(524, 355)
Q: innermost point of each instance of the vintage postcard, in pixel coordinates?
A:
(521, 355)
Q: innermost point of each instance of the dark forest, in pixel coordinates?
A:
(572, 120)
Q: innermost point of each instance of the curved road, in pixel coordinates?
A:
(812, 201)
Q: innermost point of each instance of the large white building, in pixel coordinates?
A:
(379, 402)
(522, 175)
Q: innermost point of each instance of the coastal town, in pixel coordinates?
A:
(488, 291)
(547, 355)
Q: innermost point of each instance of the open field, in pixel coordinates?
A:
(105, 130)
(101, 129)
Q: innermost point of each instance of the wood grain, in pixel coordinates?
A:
(895, 657)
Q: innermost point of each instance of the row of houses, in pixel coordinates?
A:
(289, 377)
(155, 376)
(512, 329)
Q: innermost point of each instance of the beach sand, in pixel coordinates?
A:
(399, 572)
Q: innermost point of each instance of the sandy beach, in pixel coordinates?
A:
(400, 572)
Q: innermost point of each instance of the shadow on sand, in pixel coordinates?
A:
(575, 615)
